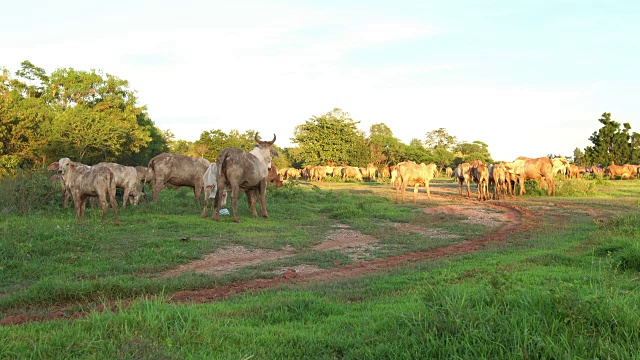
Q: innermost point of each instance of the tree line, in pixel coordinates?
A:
(90, 117)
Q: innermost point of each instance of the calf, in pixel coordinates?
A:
(86, 181)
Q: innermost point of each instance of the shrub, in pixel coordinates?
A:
(27, 191)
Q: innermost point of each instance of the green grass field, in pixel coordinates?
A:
(566, 288)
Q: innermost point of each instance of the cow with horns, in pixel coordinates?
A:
(241, 171)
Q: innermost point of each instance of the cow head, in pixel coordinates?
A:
(264, 150)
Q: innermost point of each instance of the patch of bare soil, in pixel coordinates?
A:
(505, 217)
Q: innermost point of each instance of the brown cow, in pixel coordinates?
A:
(240, 171)
(178, 170)
(412, 174)
(449, 172)
(385, 173)
(623, 171)
(126, 178)
(85, 181)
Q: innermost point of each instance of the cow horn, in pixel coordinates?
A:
(274, 139)
(257, 138)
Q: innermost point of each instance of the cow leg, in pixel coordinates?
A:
(428, 191)
(235, 191)
(102, 198)
(125, 197)
(114, 205)
(415, 193)
(263, 198)
(207, 193)
(197, 191)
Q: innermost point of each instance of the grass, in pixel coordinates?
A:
(567, 289)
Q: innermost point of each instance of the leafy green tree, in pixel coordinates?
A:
(476, 150)
(611, 144)
(440, 139)
(384, 149)
(417, 152)
(96, 117)
(578, 157)
(333, 136)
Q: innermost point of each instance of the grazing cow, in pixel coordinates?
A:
(318, 173)
(337, 171)
(385, 173)
(538, 169)
(462, 174)
(573, 171)
(145, 176)
(412, 174)
(86, 181)
(623, 171)
(560, 166)
(351, 172)
(449, 172)
(178, 170)
(239, 170)
(372, 172)
(126, 178)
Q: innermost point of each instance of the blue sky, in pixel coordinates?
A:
(525, 77)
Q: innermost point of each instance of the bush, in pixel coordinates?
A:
(27, 191)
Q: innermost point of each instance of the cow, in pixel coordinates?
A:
(462, 174)
(500, 178)
(86, 181)
(145, 176)
(177, 170)
(318, 173)
(573, 171)
(126, 178)
(480, 174)
(337, 171)
(560, 166)
(372, 172)
(623, 171)
(351, 172)
(239, 171)
(449, 172)
(412, 174)
(210, 180)
(57, 178)
(537, 169)
(385, 173)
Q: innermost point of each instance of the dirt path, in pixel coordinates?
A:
(512, 219)
(516, 219)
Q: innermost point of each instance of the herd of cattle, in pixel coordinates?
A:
(236, 171)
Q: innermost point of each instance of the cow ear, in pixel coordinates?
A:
(72, 165)
(53, 166)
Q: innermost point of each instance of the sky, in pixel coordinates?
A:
(527, 78)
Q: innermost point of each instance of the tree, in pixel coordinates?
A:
(476, 150)
(611, 144)
(578, 157)
(440, 139)
(384, 149)
(96, 116)
(417, 152)
(333, 136)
